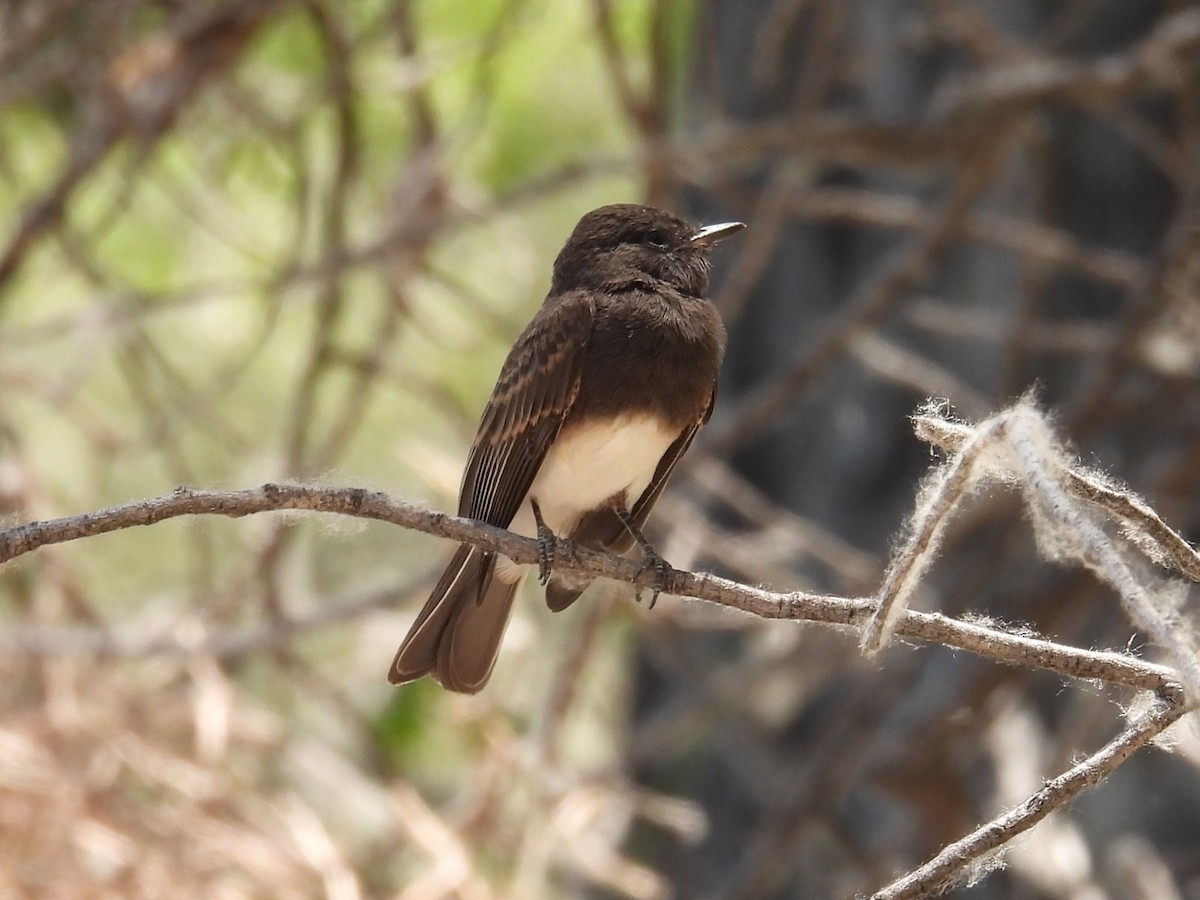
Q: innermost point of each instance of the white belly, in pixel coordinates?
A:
(585, 467)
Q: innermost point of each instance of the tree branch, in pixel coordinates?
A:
(983, 640)
(934, 876)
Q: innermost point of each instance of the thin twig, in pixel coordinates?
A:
(1126, 507)
(936, 875)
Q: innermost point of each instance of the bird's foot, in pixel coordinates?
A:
(547, 545)
(662, 573)
(650, 556)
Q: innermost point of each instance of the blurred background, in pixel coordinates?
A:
(251, 241)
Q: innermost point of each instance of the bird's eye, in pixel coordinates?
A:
(657, 239)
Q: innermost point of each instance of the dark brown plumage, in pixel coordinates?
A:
(600, 396)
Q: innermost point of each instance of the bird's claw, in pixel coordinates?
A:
(650, 556)
(547, 545)
(662, 574)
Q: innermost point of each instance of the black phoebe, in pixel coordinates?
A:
(600, 396)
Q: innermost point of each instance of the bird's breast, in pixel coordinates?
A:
(653, 357)
(591, 462)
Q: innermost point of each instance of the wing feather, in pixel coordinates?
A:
(533, 395)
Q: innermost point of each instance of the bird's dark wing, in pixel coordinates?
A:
(666, 466)
(536, 389)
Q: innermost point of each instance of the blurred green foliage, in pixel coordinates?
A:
(311, 269)
(174, 310)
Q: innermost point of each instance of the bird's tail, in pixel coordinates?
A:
(457, 635)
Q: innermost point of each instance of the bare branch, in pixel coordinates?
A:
(1175, 551)
(934, 876)
(1017, 445)
(995, 644)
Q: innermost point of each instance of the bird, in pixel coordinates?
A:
(600, 396)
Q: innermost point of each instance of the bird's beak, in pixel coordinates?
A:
(710, 234)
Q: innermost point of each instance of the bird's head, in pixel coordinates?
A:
(627, 243)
